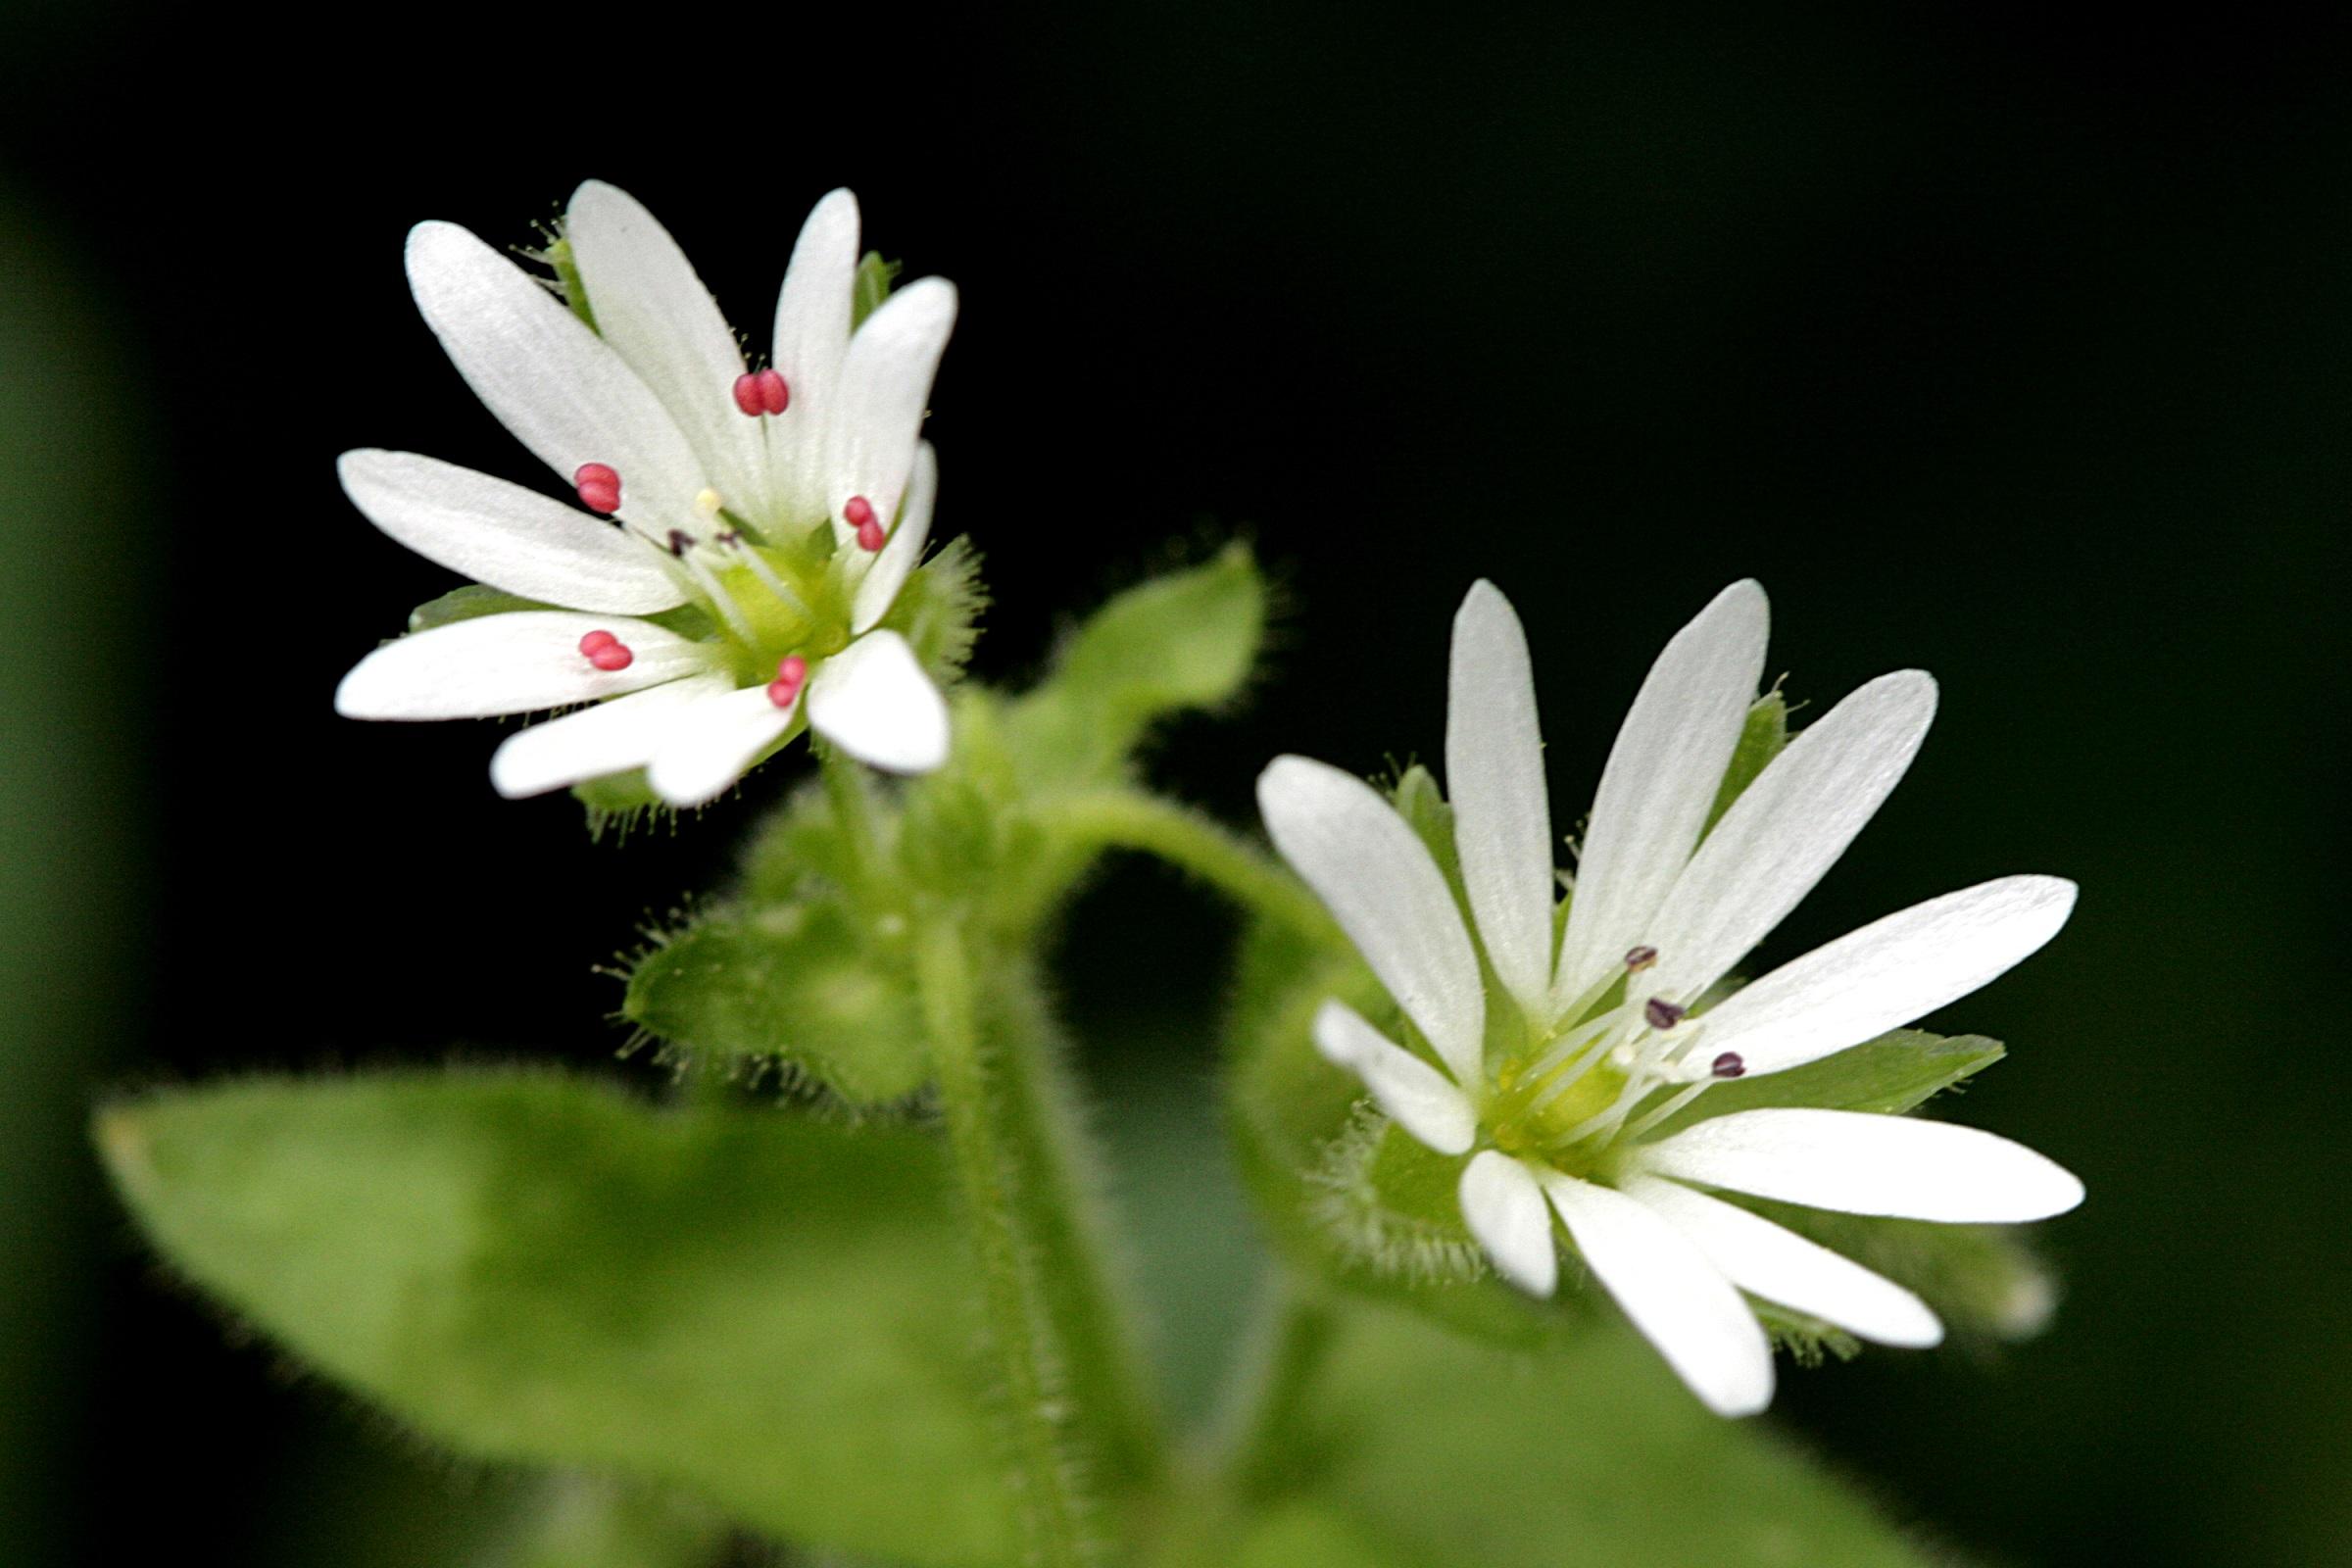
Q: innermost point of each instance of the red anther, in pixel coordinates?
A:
(610, 654)
(792, 674)
(747, 396)
(596, 640)
(599, 488)
(775, 393)
(870, 536)
(859, 514)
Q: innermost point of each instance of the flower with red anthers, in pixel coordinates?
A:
(699, 481)
(1597, 1131)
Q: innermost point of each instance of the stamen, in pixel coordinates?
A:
(599, 488)
(792, 672)
(605, 651)
(680, 541)
(1661, 1013)
(1729, 1065)
(708, 504)
(1640, 958)
(762, 392)
(859, 514)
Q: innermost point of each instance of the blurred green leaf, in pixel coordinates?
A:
(1448, 1451)
(587, 1522)
(875, 278)
(1188, 639)
(1982, 1280)
(758, 1308)
(1889, 1075)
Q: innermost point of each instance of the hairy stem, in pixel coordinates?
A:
(974, 1093)
(1131, 819)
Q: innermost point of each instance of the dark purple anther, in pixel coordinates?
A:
(1729, 1065)
(1639, 960)
(1661, 1013)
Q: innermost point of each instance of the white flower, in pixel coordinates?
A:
(1556, 1083)
(787, 505)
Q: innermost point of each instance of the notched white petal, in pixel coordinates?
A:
(1786, 829)
(1780, 1265)
(1377, 878)
(879, 587)
(1503, 1206)
(885, 389)
(507, 536)
(1889, 973)
(1495, 782)
(1678, 1300)
(874, 702)
(1660, 781)
(1416, 1096)
(511, 663)
(608, 738)
(1860, 1164)
(811, 334)
(565, 392)
(706, 750)
(652, 306)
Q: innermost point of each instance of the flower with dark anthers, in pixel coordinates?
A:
(787, 504)
(1558, 1081)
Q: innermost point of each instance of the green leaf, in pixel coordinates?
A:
(1444, 1451)
(765, 1312)
(801, 985)
(585, 1522)
(1761, 739)
(1889, 1075)
(1188, 639)
(468, 603)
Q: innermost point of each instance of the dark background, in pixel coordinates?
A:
(2012, 348)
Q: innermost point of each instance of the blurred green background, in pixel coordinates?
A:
(2010, 345)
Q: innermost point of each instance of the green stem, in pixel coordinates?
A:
(1021, 1328)
(1262, 1421)
(1130, 819)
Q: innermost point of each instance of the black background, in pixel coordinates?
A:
(2009, 347)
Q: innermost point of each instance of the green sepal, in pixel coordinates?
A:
(938, 610)
(1888, 1076)
(1763, 737)
(804, 988)
(761, 1309)
(469, 603)
(875, 279)
(1984, 1281)
(1185, 640)
(1319, 1164)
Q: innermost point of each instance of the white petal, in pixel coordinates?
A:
(885, 389)
(1672, 1294)
(898, 558)
(705, 749)
(505, 536)
(1888, 973)
(1786, 829)
(610, 738)
(1494, 780)
(1864, 1165)
(509, 663)
(1782, 1266)
(1415, 1095)
(812, 332)
(1503, 1208)
(1375, 876)
(873, 701)
(562, 390)
(1661, 780)
(650, 306)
